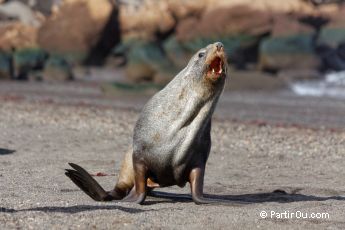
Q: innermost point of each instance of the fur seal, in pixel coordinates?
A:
(171, 141)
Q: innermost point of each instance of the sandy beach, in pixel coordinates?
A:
(279, 153)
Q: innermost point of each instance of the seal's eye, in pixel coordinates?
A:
(201, 54)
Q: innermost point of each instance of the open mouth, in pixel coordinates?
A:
(216, 66)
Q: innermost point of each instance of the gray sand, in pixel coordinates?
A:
(247, 162)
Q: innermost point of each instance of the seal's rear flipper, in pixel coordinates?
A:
(86, 183)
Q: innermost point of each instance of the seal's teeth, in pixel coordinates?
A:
(220, 71)
(212, 70)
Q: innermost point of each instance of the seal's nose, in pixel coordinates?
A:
(219, 46)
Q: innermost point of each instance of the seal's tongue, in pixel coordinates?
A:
(216, 66)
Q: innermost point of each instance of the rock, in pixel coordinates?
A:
(42, 6)
(240, 37)
(144, 60)
(290, 46)
(139, 72)
(57, 69)
(151, 19)
(333, 34)
(199, 22)
(17, 9)
(75, 27)
(331, 37)
(5, 66)
(109, 38)
(215, 23)
(176, 52)
(184, 9)
(16, 35)
(286, 6)
(138, 69)
(187, 29)
(240, 49)
(145, 19)
(28, 60)
(332, 58)
(144, 22)
(289, 25)
(239, 24)
(289, 52)
(163, 78)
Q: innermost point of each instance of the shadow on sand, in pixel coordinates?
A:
(279, 196)
(6, 151)
(72, 209)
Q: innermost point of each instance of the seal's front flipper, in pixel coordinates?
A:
(85, 182)
(196, 180)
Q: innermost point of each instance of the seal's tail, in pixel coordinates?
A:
(85, 182)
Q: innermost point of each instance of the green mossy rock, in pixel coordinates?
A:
(176, 52)
(5, 65)
(293, 44)
(144, 60)
(57, 68)
(27, 60)
(290, 52)
(331, 36)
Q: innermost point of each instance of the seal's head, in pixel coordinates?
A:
(209, 64)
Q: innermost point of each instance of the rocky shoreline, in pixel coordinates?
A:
(151, 41)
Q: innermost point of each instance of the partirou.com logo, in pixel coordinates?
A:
(293, 215)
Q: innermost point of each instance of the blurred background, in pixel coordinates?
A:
(284, 55)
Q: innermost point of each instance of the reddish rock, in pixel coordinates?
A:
(156, 17)
(139, 72)
(286, 25)
(286, 6)
(75, 27)
(338, 18)
(143, 22)
(229, 21)
(188, 29)
(183, 9)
